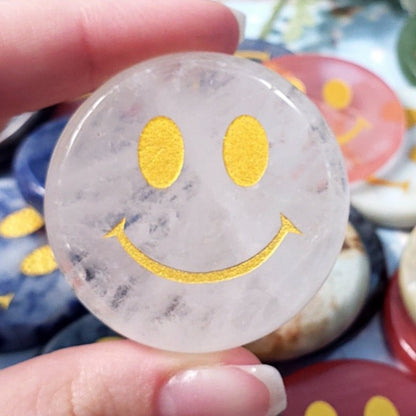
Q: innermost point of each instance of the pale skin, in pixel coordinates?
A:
(53, 51)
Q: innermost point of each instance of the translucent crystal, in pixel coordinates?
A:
(196, 262)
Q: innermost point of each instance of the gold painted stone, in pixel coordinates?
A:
(196, 202)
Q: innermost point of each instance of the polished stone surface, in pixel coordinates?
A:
(35, 300)
(201, 252)
(260, 50)
(15, 130)
(390, 200)
(350, 387)
(364, 338)
(399, 326)
(85, 330)
(364, 113)
(407, 275)
(32, 158)
(330, 312)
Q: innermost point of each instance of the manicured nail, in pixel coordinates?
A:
(255, 390)
(241, 20)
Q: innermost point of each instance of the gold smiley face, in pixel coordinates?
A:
(338, 95)
(376, 406)
(161, 157)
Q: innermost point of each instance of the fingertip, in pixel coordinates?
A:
(54, 51)
(248, 390)
(240, 19)
(230, 24)
(115, 377)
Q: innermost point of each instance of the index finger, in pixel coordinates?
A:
(53, 51)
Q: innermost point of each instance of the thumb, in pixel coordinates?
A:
(123, 378)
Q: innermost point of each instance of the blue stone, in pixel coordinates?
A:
(15, 130)
(32, 160)
(85, 330)
(8, 359)
(41, 305)
(272, 50)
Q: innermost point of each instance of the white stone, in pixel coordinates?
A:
(330, 312)
(407, 275)
(392, 203)
(203, 222)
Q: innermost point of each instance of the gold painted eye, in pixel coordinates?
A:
(320, 408)
(380, 406)
(245, 151)
(337, 94)
(39, 262)
(21, 223)
(161, 152)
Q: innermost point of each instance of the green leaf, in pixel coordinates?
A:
(267, 28)
(302, 18)
(407, 49)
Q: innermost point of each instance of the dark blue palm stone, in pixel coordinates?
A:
(32, 160)
(85, 330)
(271, 50)
(41, 305)
(15, 130)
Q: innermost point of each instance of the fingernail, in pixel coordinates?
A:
(224, 390)
(241, 20)
(240, 17)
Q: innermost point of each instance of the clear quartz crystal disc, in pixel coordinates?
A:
(196, 202)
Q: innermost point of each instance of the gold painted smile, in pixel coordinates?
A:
(161, 156)
(183, 276)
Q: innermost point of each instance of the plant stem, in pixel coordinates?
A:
(269, 24)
